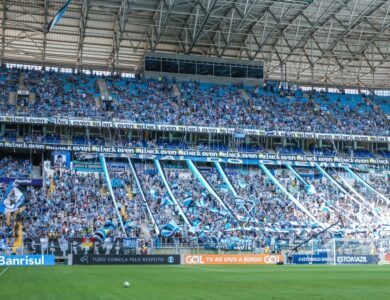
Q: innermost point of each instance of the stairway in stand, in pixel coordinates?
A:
(18, 236)
(102, 84)
(145, 231)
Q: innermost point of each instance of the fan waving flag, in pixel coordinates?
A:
(188, 201)
(101, 234)
(58, 16)
(13, 199)
(170, 229)
(166, 201)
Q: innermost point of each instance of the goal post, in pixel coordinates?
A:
(345, 252)
(358, 251)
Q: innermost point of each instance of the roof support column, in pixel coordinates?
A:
(83, 25)
(46, 9)
(3, 31)
(281, 73)
(312, 75)
(372, 72)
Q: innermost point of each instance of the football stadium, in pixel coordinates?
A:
(194, 149)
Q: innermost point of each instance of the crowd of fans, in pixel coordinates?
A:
(207, 216)
(198, 104)
(163, 209)
(290, 114)
(326, 201)
(15, 168)
(69, 205)
(131, 207)
(245, 209)
(375, 194)
(250, 210)
(353, 114)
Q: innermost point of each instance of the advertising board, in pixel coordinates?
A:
(232, 259)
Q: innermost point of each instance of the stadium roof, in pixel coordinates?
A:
(330, 41)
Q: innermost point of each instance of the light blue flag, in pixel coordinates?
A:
(196, 222)
(201, 203)
(187, 201)
(239, 201)
(58, 16)
(170, 229)
(214, 210)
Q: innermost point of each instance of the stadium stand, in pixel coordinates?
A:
(76, 95)
(223, 206)
(219, 206)
(14, 168)
(226, 207)
(203, 139)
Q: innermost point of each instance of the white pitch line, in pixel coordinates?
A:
(5, 270)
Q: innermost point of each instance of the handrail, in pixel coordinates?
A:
(143, 195)
(327, 175)
(366, 184)
(290, 196)
(108, 180)
(166, 184)
(225, 178)
(297, 175)
(209, 188)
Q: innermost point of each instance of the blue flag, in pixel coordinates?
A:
(188, 201)
(166, 201)
(202, 236)
(13, 199)
(310, 189)
(102, 233)
(170, 229)
(58, 16)
(131, 225)
(239, 201)
(196, 222)
(201, 203)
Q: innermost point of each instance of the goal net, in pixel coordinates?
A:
(358, 251)
(344, 252)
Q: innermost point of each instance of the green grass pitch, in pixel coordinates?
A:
(195, 282)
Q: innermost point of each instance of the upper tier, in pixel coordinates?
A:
(189, 103)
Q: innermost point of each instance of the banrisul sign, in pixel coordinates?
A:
(27, 260)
